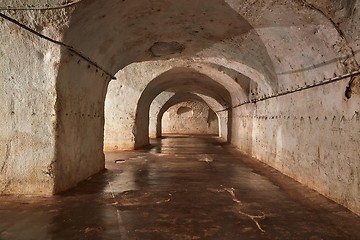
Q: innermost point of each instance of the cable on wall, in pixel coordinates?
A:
(307, 86)
(34, 8)
(70, 48)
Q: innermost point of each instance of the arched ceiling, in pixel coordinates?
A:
(165, 100)
(137, 25)
(119, 33)
(138, 75)
(180, 97)
(177, 79)
(185, 80)
(276, 44)
(184, 97)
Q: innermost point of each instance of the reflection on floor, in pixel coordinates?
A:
(183, 188)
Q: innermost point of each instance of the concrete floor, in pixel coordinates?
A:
(183, 188)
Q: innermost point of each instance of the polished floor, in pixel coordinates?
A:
(182, 188)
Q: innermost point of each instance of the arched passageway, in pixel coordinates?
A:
(190, 118)
(123, 95)
(176, 79)
(207, 122)
(289, 88)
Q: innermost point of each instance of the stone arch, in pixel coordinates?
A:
(190, 117)
(128, 89)
(81, 81)
(176, 79)
(186, 96)
(309, 48)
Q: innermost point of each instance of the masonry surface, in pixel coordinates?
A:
(278, 80)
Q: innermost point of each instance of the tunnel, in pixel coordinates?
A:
(216, 119)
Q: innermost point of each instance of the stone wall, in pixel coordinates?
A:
(52, 102)
(81, 90)
(190, 118)
(28, 70)
(52, 109)
(137, 89)
(312, 136)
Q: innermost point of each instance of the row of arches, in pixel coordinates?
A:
(219, 87)
(222, 52)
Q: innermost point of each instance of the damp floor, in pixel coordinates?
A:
(181, 188)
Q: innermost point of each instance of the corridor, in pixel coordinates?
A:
(181, 188)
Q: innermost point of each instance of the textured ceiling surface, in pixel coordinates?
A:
(261, 46)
